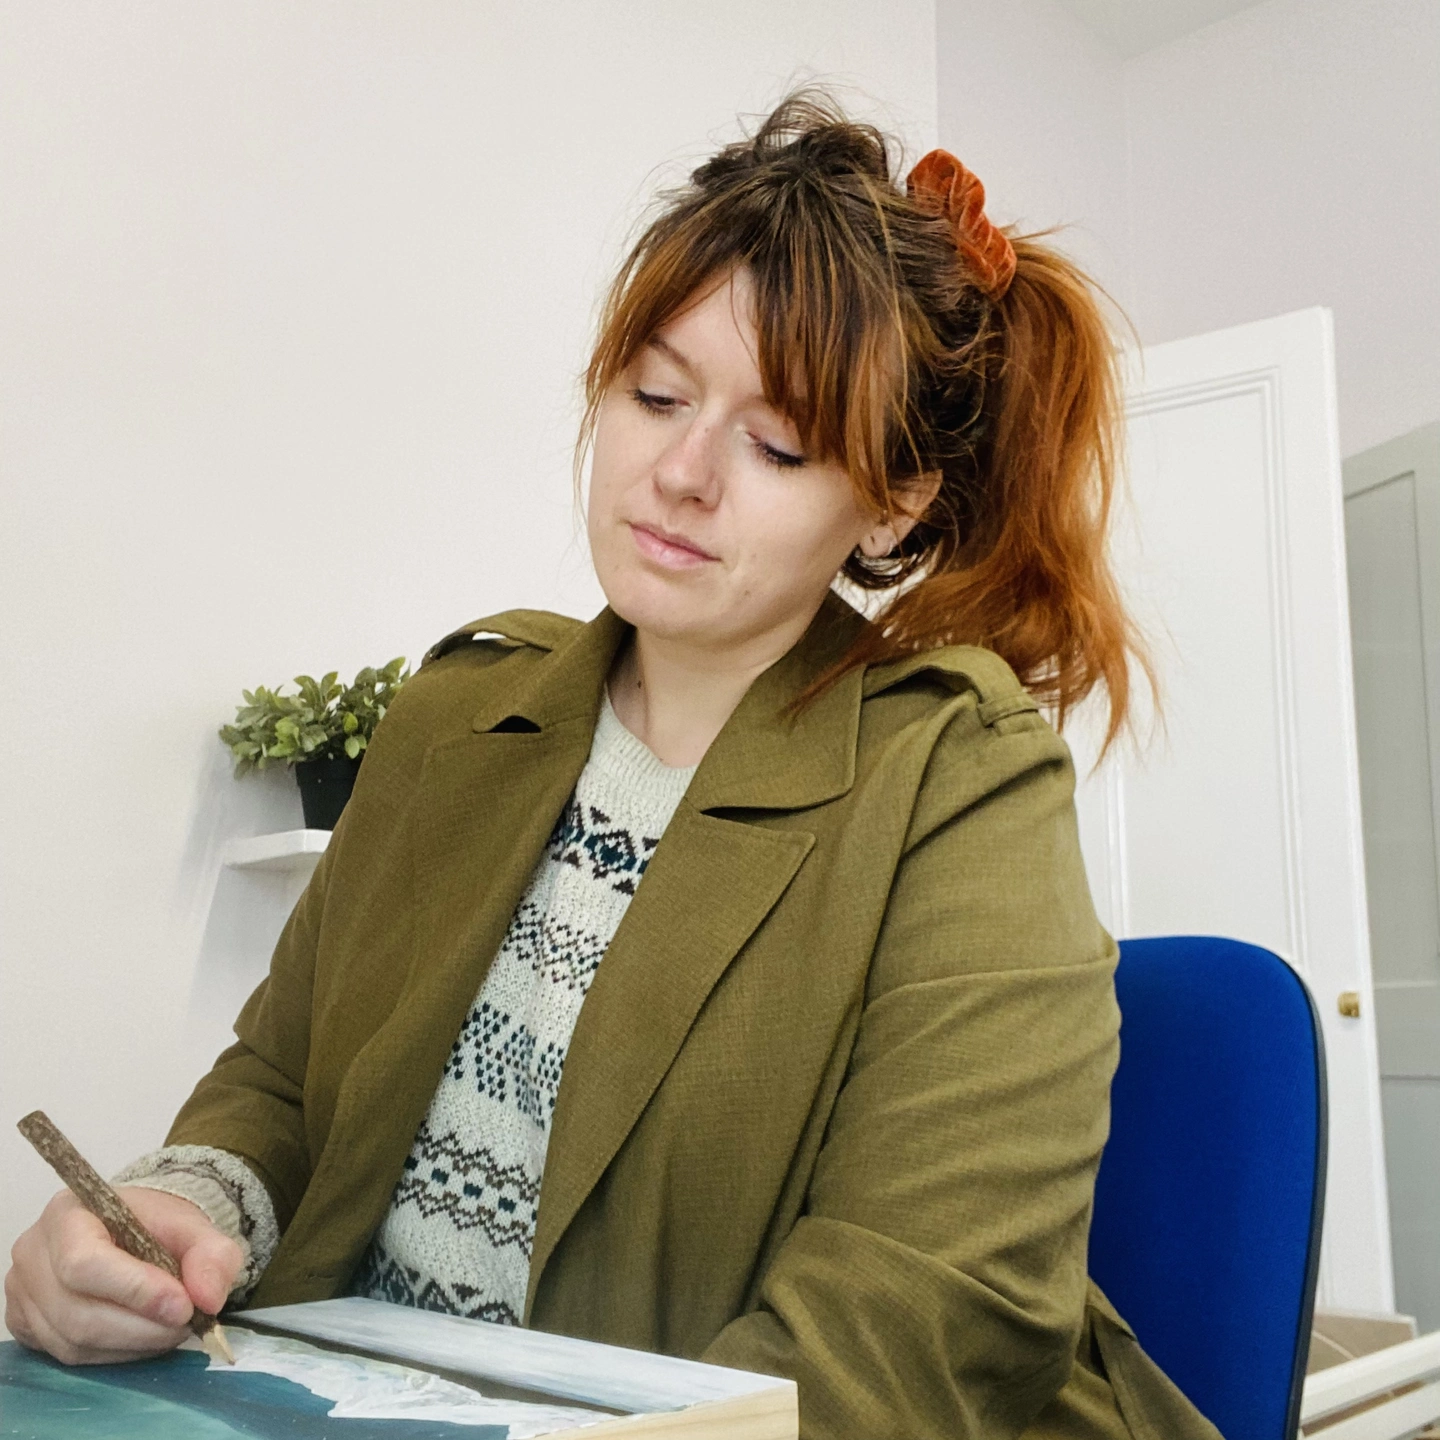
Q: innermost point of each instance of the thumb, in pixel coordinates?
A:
(209, 1259)
(209, 1267)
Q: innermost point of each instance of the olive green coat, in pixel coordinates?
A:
(835, 1101)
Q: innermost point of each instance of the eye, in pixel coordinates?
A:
(781, 459)
(653, 404)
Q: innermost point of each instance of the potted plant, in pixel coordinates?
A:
(321, 730)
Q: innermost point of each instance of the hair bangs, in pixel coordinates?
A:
(831, 348)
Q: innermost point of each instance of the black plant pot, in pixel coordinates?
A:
(325, 786)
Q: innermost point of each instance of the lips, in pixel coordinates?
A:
(669, 549)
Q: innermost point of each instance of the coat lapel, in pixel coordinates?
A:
(485, 806)
(712, 881)
(677, 938)
(490, 799)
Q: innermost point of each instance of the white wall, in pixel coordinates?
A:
(1033, 101)
(1283, 157)
(292, 301)
(1290, 156)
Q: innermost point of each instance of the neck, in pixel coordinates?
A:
(677, 698)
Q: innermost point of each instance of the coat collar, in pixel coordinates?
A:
(763, 759)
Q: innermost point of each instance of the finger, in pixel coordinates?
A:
(17, 1307)
(111, 1336)
(79, 1331)
(87, 1265)
(209, 1259)
(177, 1223)
(209, 1268)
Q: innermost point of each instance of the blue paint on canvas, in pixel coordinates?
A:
(177, 1397)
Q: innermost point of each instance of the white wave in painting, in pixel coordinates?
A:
(368, 1389)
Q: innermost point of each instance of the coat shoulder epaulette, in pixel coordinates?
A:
(511, 629)
(995, 685)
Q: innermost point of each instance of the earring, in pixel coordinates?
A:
(871, 545)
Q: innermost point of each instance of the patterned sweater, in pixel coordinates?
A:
(461, 1223)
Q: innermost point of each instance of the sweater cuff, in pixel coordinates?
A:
(231, 1195)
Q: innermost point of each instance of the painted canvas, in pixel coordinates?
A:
(315, 1370)
(279, 1387)
(177, 1397)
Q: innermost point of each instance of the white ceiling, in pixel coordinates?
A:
(1134, 26)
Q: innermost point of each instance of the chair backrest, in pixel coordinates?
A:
(1206, 1233)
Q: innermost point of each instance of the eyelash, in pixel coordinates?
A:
(663, 405)
(652, 404)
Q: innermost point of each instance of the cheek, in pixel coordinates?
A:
(803, 538)
(607, 478)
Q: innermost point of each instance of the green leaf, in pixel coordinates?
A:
(322, 717)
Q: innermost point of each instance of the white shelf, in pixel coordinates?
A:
(284, 850)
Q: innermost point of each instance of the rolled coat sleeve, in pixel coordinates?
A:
(936, 1284)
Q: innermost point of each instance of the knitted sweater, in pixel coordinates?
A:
(461, 1223)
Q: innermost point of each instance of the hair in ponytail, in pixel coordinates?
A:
(906, 353)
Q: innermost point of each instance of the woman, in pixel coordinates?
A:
(836, 1094)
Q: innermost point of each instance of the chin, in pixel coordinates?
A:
(658, 607)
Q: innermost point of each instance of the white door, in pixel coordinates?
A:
(1241, 815)
(1392, 526)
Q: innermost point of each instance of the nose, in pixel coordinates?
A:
(690, 467)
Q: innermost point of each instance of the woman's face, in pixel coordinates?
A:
(708, 524)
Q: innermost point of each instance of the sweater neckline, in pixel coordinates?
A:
(630, 759)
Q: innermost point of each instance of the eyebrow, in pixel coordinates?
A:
(658, 342)
(667, 349)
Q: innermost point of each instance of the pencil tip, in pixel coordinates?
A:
(217, 1345)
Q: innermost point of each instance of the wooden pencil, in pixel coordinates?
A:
(118, 1218)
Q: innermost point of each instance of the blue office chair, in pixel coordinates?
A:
(1206, 1234)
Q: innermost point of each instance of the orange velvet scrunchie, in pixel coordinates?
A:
(941, 184)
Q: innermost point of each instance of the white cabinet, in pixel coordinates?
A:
(1392, 524)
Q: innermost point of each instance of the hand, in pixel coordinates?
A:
(72, 1291)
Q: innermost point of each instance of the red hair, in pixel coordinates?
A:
(891, 352)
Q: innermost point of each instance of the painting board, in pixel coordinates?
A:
(336, 1369)
(659, 1395)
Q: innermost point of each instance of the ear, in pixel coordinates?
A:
(911, 504)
